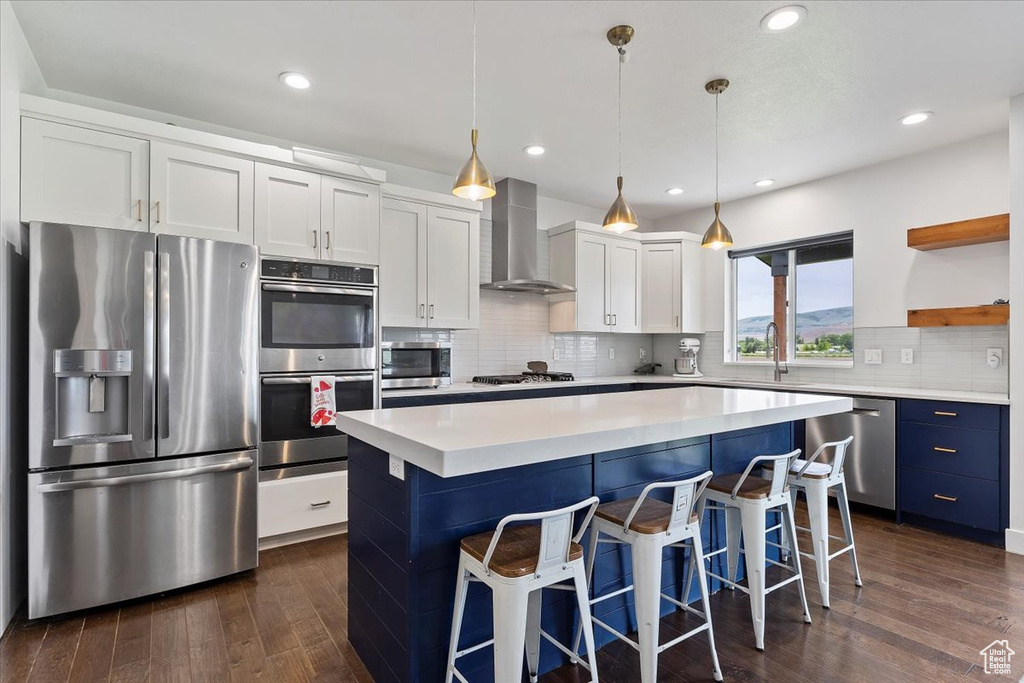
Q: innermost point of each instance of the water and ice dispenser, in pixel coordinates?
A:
(93, 398)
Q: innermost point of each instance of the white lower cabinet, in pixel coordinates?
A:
(196, 193)
(302, 503)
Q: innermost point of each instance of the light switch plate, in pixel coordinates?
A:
(611, 353)
(907, 356)
(872, 356)
(396, 467)
(994, 358)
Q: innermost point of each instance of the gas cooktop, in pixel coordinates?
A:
(525, 378)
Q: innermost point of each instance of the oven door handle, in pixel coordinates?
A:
(307, 380)
(310, 289)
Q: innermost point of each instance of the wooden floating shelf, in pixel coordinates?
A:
(960, 233)
(967, 315)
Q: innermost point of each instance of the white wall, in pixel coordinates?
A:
(1015, 534)
(18, 73)
(879, 203)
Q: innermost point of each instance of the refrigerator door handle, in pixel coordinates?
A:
(148, 344)
(164, 345)
(101, 482)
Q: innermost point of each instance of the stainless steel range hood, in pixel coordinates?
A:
(514, 241)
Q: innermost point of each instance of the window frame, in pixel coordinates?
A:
(732, 292)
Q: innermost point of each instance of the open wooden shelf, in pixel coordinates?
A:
(966, 315)
(960, 233)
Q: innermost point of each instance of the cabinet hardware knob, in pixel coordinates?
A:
(321, 504)
(940, 449)
(939, 496)
(944, 413)
(138, 210)
(314, 239)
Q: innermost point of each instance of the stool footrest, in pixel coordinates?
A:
(602, 598)
(566, 651)
(606, 627)
(678, 639)
(841, 551)
(470, 650)
(780, 584)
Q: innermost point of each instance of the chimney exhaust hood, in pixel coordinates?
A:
(514, 241)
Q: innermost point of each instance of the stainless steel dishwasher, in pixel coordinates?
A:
(871, 463)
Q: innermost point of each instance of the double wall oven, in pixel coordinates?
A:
(316, 319)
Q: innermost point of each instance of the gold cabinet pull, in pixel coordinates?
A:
(138, 210)
(314, 239)
(423, 310)
(945, 413)
(949, 499)
(940, 449)
(327, 235)
(158, 212)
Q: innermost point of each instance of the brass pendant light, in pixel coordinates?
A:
(717, 235)
(620, 217)
(474, 180)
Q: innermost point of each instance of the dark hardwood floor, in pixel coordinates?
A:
(928, 605)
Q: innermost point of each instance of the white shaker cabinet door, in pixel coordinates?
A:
(83, 177)
(286, 214)
(592, 314)
(453, 268)
(662, 288)
(350, 220)
(624, 285)
(195, 193)
(693, 288)
(403, 264)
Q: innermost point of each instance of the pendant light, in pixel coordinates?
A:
(717, 235)
(474, 180)
(620, 217)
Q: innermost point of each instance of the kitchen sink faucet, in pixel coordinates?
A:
(772, 352)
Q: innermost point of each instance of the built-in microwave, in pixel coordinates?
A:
(405, 365)
(317, 317)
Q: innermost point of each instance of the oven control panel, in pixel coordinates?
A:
(320, 272)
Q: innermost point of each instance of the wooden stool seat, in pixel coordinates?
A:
(517, 550)
(817, 470)
(652, 518)
(752, 488)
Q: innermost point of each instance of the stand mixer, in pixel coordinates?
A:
(686, 363)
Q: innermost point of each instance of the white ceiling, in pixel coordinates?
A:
(392, 81)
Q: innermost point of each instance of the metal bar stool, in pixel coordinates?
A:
(746, 501)
(817, 480)
(648, 526)
(516, 564)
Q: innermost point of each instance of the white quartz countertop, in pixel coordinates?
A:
(844, 389)
(452, 440)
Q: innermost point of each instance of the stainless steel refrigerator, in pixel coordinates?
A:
(143, 404)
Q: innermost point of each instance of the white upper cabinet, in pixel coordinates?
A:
(692, 298)
(83, 177)
(196, 193)
(403, 264)
(662, 288)
(286, 214)
(605, 270)
(350, 220)
(453, 268)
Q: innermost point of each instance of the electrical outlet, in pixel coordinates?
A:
(556, 354)
(643, 354)
(611, 353)
(872, 356)
(907, 356)
(396, 467)
(994, 358)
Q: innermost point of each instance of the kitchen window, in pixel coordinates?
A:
(806, 288)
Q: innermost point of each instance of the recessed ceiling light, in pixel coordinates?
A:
(295, 80)
(764, 182)
(916, 118)
(535, 150)
(674, 190)
(783, 18)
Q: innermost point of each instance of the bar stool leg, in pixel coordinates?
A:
(701, 505)
(583, 599)
(510, 608)
(647, 594)
(791, 521)
(533, 634)
(733, 529)
(697, 558)
(792, 544)
(817, 510)
(753, 517)
(591, 559)
(844, 513)
(461, 586)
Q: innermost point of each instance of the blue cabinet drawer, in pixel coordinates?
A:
(950, 497)
(968, 452)
(950, 413)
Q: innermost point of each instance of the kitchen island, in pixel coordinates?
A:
(420, 479)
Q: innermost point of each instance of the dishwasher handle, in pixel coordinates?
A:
(867, 412)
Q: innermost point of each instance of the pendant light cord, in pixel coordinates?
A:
(716, 148)
(474, 64)
(621, 51)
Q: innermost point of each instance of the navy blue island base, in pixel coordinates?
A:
(404, 544)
